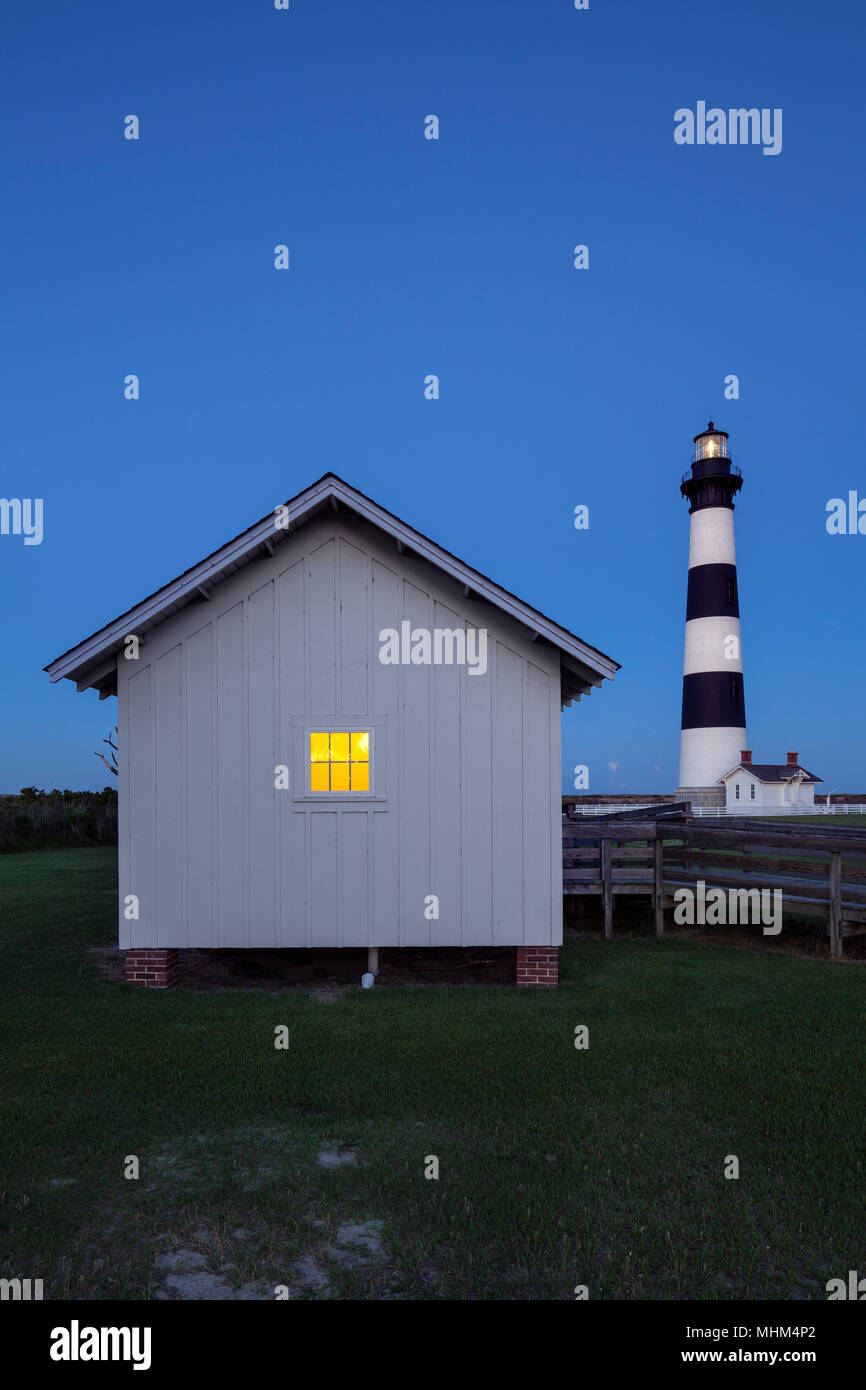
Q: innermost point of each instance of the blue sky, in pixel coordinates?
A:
(453, 257)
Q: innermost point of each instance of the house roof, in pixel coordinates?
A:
(773, 772)
(93, 662)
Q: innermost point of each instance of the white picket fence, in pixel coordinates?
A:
(835, 809)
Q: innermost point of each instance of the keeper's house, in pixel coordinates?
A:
(749, 785)
(333, 733)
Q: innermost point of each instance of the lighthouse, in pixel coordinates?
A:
(714, 711)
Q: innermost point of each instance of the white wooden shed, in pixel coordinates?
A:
(333, 733)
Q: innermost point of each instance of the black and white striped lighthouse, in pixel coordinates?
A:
(714, 710)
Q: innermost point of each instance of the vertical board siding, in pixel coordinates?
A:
(476, 808)
(413, 777)
(323, 869)
(170, 791)
(508, 796)
(123, 804)
(230, 776)
(292, 926)
(445, 811)
(539, 896)
(262, 826)
(465, 767)
(200, 807)
(385, 607)
(140, 815)
(354, 875)
(554, 725)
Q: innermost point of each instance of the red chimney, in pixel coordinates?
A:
(746, 755)
(793, 759)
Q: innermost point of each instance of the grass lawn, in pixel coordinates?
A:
(557, 1166)
(832, 822)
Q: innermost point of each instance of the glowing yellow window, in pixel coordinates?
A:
(339, 762)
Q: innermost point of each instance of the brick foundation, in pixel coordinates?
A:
(538, 965)
(154, 967)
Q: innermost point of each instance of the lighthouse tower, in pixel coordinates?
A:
(714, 712)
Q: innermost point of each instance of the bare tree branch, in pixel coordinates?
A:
(112, 766)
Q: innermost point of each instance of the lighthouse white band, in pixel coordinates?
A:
(708, 640)
(706, 754)
(711, 537)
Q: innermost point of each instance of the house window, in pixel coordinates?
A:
(736, 690)
(340, 761)
(732, 591)
(752, 791)
(736, 791)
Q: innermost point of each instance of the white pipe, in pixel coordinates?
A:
(373, 959)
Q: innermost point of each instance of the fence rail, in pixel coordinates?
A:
(614, 808)
(840, 809)
(720, 812)
(818, 869)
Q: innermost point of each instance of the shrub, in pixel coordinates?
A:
(42, 820)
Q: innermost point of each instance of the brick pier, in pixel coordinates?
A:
(154, 967)
(538, 966)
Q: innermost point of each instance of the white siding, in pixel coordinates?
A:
(770, 794)
(466, 767)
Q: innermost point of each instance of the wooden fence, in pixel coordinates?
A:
(818, 870)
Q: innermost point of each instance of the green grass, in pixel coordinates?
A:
(833, 822)
(557, 1166)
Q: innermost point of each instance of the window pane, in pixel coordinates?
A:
(318, 776)
(340, 760)
(339, 777)
(339, 748)
(318, 748)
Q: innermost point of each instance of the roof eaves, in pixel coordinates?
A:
(590, 665)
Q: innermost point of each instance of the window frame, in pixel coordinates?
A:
(377, 729)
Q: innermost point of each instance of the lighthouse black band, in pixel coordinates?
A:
(714, 699)
(712, 592)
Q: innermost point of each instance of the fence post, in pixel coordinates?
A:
(658, 863)
(607, 886)
(836, 904)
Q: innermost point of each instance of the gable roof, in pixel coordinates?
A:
(93, 662)
(773, 772)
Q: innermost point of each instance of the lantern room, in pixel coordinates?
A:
(711, 444)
